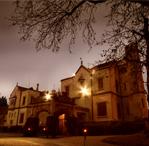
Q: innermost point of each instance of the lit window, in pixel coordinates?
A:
(102, 109)
(100, 83)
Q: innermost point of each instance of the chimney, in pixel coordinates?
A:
(37, 88)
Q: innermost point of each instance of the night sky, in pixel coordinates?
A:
(20, 62)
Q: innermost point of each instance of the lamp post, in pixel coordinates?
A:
(92, 110)
(92, 104)
(85, 134)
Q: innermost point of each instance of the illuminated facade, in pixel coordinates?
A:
(20, 107)
(111, 91)
(27, 102)
(107, 92)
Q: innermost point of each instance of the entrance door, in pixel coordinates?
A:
(43, 118)
(62, 126)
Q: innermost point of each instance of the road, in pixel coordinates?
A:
(63, 141)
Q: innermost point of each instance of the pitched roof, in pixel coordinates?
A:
(81, 66)
(104, 65)
(22, 88)
(67, 78)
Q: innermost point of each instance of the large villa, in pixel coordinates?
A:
(111, 91)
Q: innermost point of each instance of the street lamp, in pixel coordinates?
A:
(86, 92)
(91, 82)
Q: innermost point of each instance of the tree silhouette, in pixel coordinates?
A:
(130, 24)
(50, 22)
(3, 101)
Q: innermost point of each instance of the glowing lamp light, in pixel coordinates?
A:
(85, 91)
(85, 130)
(48, 96)
(44, 129)
(28, 129)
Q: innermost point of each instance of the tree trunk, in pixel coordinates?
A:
(146, 34)
(147, 68)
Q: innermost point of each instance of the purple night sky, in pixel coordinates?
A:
(20, 62)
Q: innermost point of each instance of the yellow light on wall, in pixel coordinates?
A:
(85, 91)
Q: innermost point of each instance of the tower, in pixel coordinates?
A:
(132, 92)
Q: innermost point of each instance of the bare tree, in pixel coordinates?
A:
(130, 24)
(50, 22)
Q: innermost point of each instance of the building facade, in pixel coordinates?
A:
(27, 102)
(111, 91)
(19, 105)
(107, 92)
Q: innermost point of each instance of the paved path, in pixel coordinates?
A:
(13, 139)
(66, 141)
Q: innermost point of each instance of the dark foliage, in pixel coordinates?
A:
(73, 125)
(115, 127)
(3, 101)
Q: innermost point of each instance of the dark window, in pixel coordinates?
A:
(81, 80)
(21, 118)
(125, 86)
(81, 116)
(100, 83)
(143, 104)
(101, 109)
(13, 101)
(127, 109)
(119, 110)
(23, 103)
(117, 86)
(67, 90)
(11, 121)
(123, 69)
(9, 115)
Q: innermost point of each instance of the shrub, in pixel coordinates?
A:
(114, 127)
